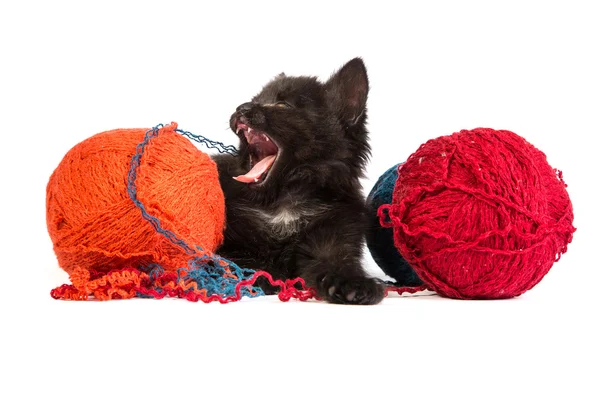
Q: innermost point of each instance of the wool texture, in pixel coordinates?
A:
(94, 224)
(173, 201)
(380, 240)
(480, 214)
(192, 284)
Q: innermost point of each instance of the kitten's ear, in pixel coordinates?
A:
(281, 75)
(348, 89)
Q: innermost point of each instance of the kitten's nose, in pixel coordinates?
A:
(244, 108)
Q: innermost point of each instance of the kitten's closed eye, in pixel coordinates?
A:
(283, 104)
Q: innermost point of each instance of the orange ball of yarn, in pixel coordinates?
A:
(92, 221)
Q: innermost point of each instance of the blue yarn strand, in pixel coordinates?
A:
(211, 144)
(132, 190)
(205, 270)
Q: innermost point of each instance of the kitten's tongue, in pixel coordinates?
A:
(257, 171)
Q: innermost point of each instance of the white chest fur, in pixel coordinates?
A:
(288, 220)
(283, 217)
(284, 222)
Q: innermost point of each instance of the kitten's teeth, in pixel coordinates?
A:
(238, 131)
(255, 180)
(267, 138)
(250, 130)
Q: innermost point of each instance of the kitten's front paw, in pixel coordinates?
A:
(342, 289)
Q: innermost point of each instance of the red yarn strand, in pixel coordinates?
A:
(479, 214)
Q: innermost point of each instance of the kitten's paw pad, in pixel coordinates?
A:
(341, 289)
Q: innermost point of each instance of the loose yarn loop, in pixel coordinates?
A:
(480, 214)
(380, 235)
(92, 172)
(186, 284)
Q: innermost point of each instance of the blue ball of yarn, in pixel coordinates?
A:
(380, 240)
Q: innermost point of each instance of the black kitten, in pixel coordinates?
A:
(293, 196)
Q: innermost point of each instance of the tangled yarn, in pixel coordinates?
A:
(480, 214)
(125, 206)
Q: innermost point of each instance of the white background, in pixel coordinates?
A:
(70, 70)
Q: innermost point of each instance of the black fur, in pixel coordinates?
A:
(323, 148)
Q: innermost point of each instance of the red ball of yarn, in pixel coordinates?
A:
(480, 214)
(92, 221)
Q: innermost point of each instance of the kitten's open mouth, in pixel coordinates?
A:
(263, 154)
